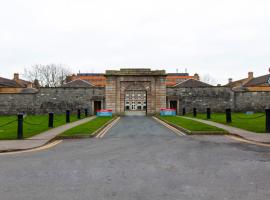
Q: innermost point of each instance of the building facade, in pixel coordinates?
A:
(134, 92)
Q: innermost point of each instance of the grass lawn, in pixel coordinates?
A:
(190, 124)
(239, 120)
(87, 128)
(33, 125)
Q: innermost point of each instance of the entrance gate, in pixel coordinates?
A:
(135, 102)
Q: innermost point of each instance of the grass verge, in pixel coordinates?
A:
(33, 125)
(190, 126)
(254, 123)
(87, 129)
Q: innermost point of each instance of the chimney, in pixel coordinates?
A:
(16, 76)
(250, 75)
(230, 80)
(36, 84)
(196, 77)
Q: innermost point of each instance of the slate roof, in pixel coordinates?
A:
(90, 74)
(22, 82)
(259, 81)
(237, 83)
(78, 83)
(29, 90)
(4, 82)
(177, 74)
(192, 83)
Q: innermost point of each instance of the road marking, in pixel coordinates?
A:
(105, 130)
(108, 128)
(175, 130)
(47, 146)
(247, 141)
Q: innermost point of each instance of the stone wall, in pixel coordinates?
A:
(57, 100)
(217, 98)
(14, 103)
(252, 101)
(60, 99)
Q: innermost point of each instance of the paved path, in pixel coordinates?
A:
(139, 160)
(257, 137)
(139, 127)
(39, 139)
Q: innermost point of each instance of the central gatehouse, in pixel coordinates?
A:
(135, 91)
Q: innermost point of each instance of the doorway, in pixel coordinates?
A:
(97, 106)
(173, 105)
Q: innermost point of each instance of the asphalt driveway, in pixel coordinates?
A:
(139, 159)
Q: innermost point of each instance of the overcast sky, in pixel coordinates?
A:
(221, 38)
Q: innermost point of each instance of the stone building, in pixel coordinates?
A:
(251, 83)
(241, 82)
(15, 85)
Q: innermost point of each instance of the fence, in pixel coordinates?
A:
(229, 117)
(21, 120)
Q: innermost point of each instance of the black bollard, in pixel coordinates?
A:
(51, 120)
(208, 111)
(79, 114)
(228, 115)
(86, 112)
(67, 116)
(267, 114)
(194, 112)
(184, 111)
(20, 126)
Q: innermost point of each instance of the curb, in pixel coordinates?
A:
(94, 134)
(188, 132)
(243, 138)
(27, 149)
(238, 136)
(36, 147)
(213, 133)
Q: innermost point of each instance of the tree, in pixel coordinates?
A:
(207, 78)
(51, 75)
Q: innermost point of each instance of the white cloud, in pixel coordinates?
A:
(221, 38)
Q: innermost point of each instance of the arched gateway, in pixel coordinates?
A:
(135, 91)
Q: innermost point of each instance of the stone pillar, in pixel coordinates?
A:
(110, 93)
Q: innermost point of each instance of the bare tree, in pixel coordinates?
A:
(51, 75)
(207, 78)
